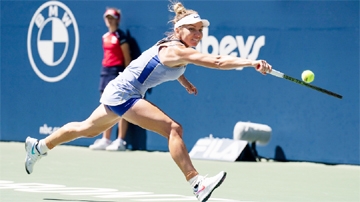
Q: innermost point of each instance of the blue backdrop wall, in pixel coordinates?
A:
(45, 84)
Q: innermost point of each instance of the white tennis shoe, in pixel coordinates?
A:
(204, 186)
(100, 144)
(117, 145)
(32, 154)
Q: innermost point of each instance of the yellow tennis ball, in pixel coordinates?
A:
(308, 76)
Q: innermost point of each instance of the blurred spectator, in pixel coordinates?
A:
(116, 58)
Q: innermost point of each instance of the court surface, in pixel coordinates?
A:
(77, 174)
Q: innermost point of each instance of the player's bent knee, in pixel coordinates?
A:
(176, 129)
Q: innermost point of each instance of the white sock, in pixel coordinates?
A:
(193, 180)
(41, 146)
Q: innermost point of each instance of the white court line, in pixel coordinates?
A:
(96, 192)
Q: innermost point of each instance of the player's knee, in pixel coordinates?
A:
(176, 129)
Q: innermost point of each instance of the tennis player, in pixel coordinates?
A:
(123, 97)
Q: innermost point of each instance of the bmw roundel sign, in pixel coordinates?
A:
(53, 41)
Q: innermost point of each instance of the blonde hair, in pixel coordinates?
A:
(180, 12)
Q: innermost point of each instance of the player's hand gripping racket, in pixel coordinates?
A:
(284, 76)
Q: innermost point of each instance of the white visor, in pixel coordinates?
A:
(191, 19)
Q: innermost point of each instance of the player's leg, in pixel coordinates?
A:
(101, 119)
(150, 117)
(107, 74)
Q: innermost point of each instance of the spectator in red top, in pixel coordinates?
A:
(116, 58)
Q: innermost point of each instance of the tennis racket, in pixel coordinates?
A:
(284, 76)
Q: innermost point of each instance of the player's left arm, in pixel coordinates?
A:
(190, 88)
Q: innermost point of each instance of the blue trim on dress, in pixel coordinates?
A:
(150, 66)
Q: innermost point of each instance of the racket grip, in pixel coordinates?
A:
(277, 73)
(274, 72)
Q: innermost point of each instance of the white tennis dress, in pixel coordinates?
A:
(143, 73)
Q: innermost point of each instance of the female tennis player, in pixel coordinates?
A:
(124, 97)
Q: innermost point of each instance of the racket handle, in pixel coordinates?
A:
(274, 72)
(277, 73)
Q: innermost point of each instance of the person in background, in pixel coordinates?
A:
(123, 97)
(116, 58)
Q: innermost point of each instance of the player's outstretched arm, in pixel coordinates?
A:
(224, 62)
